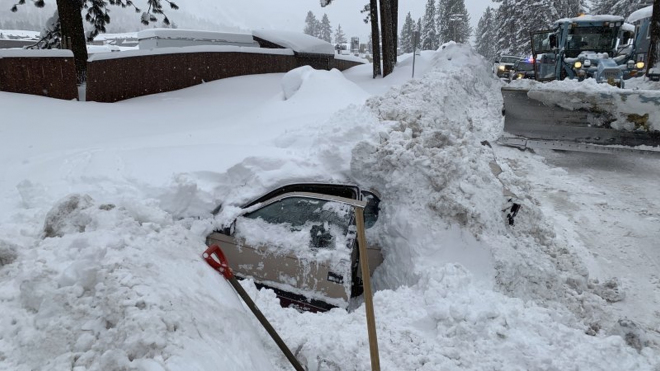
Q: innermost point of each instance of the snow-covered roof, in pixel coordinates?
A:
(591, 18)
(114, 36)
(19, 34)
(102, 49)
(296, 41)
(33, 53)
(351, 58)
(640, 14)
(169, 33)
(190, 49)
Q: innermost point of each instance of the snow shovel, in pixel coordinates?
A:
(220, 264)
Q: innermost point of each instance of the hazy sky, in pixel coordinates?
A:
(266, 14)
(290, 14)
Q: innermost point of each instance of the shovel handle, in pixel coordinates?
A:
(218, 263)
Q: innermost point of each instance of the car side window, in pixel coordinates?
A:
(300, 221)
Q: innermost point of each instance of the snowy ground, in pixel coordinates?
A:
(112, 279)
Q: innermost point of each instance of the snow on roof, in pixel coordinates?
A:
(102, 49)
(297, 41)
(591, 18)
(351, 58)
(114, 36)
(640, 14)
(32, 53)
(19, 34)
(190, 49)
(168, 33)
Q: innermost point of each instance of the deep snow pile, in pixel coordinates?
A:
(117, 287)
(115, 282)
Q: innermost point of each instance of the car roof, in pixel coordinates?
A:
(350, 191)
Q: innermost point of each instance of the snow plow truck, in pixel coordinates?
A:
(593, 116)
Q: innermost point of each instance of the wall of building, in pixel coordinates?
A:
(115, 79)
(53, 77)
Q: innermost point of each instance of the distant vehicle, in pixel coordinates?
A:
(343, 49)
(522, 69)
(300, 240)
(641, 20)
(504, 64)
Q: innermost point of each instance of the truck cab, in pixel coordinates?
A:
(597, 46)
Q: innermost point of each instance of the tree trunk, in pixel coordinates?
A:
(375, 36)
(395, 27)
(73, 34)
(655, 36)
(386, 36)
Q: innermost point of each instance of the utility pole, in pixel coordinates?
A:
(655, 36)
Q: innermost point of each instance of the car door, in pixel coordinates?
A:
(299, 244)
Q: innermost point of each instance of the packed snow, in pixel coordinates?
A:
(297, 41)
(35, 53)
(105, 208)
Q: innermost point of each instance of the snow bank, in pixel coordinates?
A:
(118, 287)
(456, 281)
(305, 81)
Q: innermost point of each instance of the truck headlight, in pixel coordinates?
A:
(501, 68)
(577, 65)
(639, 65)
(630, 65)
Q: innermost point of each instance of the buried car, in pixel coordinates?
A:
(301, 241)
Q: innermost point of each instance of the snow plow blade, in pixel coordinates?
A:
(588, 121)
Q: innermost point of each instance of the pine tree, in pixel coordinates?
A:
(429, 34)
(440, 26)
(70, 22)
(311, 25)
(407, 34)
(340, 38)
(619, 7)
(455, 21)
(325, 30)
(485, 35)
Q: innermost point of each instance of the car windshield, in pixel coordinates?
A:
(598, 39)
(509, 59)
(524, 66)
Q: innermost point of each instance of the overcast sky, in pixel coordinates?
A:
(269, 14)
(290, 14)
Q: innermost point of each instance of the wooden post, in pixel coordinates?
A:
(368, 296)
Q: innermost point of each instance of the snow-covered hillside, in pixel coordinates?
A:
(104, 209)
